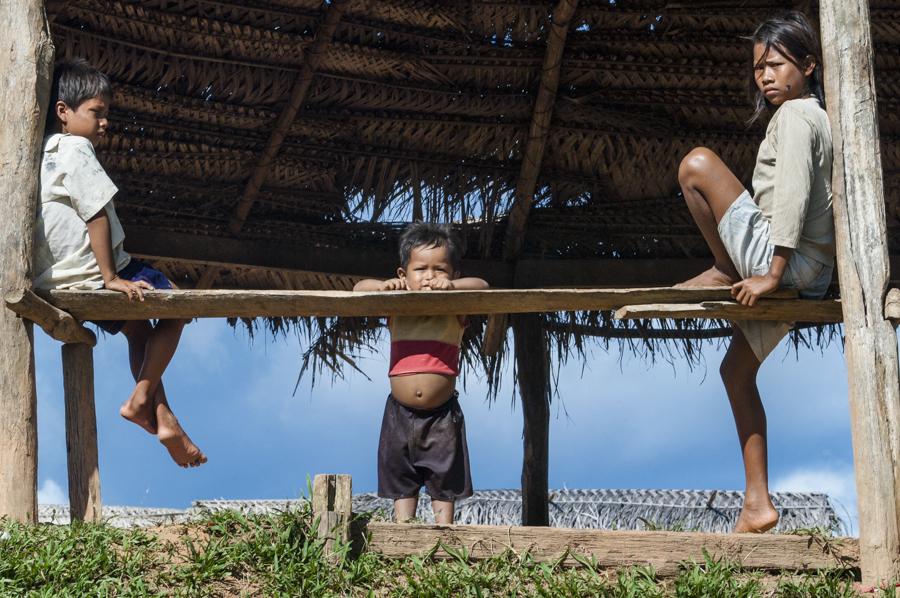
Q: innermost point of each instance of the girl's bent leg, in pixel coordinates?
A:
(739, 369)
(709, 189)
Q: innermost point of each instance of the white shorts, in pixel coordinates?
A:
(745, 234)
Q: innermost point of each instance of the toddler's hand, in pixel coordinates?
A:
(392, 284)
(442, 284)
(131, 289)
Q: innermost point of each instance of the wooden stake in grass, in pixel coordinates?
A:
(331, 503)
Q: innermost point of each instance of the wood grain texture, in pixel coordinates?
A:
(332, 504)
(97, 305)
(55, 322)
(863, 271)
(665, 551)
(81, 432)
(26, 54)
(778, 310)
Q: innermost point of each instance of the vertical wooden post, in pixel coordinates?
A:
(26, 62)
(81, 432)
(864, 269)
(332, 505)
(533, 371)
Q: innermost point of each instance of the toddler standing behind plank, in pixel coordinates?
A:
(423, 433)
(79, 245)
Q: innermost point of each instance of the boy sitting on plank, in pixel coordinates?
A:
(79, 245)
(423, 433)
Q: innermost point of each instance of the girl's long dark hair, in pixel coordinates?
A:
(791, 34)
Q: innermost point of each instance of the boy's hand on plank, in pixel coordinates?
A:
(131, 289)
(750, 290)
(441, 284)
(393, 284)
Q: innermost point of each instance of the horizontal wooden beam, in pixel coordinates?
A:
(100, 305)
(797, 310)
(55, 322)
(664, 551)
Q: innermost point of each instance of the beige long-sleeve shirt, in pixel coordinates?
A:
(792, 179)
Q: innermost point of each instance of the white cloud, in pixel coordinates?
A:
(50, 493)
(839, 483)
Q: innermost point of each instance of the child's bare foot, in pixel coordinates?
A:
(172, 436)
(711, 278)
(756, 521)
(138, 409)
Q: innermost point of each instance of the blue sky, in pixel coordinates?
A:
(618, 424)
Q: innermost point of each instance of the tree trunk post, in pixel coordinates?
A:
(533, 373)
(26, 63)
(81, 432)
(864, 269)
(332, 506)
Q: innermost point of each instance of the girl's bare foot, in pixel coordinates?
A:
(172, 436)
(756, 521)
(711, 278)
(138, 409)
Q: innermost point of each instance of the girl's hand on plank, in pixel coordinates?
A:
(750, 290)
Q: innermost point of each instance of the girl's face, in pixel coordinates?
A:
(778, 78)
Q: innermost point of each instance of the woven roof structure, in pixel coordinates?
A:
(284, 143)
(679, 510)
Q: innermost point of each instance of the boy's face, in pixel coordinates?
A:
(426, 264)
(88, 120)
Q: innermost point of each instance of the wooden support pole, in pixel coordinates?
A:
(81, 432)
(331, 504)
(26, 62)
(533, 373)
(666, 552)
(863, 270)
(177, 304)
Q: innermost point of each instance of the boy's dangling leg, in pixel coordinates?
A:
(443, 511)
(739, 369)
(138, 408)
(405, 509)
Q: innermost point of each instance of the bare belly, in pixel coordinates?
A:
(423, 391)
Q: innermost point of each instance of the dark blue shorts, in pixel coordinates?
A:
(135, 271)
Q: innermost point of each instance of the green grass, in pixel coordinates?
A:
(230, 554)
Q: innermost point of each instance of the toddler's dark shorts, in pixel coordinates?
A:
(134, 271)
(423, 448)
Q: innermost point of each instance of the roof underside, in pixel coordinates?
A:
(425, 102)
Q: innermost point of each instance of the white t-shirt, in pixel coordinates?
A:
(74, 188)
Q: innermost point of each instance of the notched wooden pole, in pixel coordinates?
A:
(81, 432)
(864, 271)
(331, 504)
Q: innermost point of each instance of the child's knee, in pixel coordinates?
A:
(695, 163)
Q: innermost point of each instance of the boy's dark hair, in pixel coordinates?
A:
(427, 234)
(791, 34)
(75, 81)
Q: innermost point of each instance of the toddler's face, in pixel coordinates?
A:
(426, 265)
(88, 120)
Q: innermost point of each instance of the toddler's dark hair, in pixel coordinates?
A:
(427, 234)
(75, 81)
(791, 34)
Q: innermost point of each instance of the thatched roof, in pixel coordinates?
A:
(686, 510)
(285, 142)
